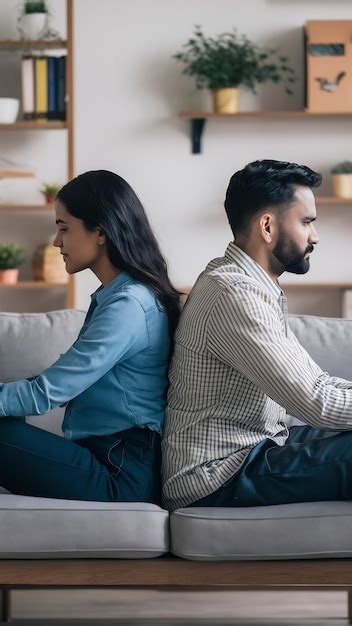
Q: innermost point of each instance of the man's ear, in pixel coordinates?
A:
(266, 227)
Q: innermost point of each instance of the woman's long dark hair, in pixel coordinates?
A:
(102, 198)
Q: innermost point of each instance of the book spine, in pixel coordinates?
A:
(41, 100)
(27, 80)
(61, 99)
(52, 88)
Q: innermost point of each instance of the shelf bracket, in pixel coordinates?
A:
(197, 127)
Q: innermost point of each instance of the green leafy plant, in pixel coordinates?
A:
(11, 256)
(345, 167)
(50, 191)
(231, 60)
(35, 6)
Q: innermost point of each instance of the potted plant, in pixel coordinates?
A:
(49, 192)
(230, 60)
(33, 19)
(342, 179)
(11, 257)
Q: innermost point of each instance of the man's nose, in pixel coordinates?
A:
(314, 237)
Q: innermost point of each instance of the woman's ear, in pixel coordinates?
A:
(101, 237)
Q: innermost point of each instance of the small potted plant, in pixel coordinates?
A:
(230, 60)
(342, 179)
(11, 257)
(33, 20)
(49, 192)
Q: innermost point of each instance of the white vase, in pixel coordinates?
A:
(8, 110)
(33, 25)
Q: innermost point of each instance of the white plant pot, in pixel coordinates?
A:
(8, 110)
(33, 25)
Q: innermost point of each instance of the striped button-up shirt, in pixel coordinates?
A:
(237, 371)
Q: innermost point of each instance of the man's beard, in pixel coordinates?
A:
(289, 255)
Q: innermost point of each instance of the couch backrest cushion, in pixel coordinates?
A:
(30, 342)
(328, 340)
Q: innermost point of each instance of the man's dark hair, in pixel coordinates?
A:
(262, 184)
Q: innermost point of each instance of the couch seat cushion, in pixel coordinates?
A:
(37, 528)
(285, 531)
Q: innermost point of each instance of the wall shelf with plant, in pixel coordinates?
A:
(224, 64)
(198, 120)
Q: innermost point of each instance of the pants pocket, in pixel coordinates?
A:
(116, 457)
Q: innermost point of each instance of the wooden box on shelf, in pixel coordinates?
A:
(48, 265)
(328, 62)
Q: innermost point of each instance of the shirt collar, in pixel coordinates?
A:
(103, 292)
(252, 268)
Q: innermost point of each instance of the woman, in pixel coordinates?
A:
(113, 379)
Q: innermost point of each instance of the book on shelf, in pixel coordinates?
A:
(41, 88)
(44, 85)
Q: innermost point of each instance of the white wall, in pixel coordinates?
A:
(129, 91)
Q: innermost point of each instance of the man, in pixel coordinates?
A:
(238, 370)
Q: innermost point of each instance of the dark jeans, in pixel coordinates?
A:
(121, 467)
(313, 465)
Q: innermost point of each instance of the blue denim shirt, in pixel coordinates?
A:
(114, 376)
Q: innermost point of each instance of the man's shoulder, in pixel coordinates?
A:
(229, 286)
(221, 276)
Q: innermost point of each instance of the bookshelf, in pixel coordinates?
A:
(67, 126)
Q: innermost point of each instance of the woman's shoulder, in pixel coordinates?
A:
(134, 291)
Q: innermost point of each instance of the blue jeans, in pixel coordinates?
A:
(121, 467)
(313, 465)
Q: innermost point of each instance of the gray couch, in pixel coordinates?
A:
(44, 529)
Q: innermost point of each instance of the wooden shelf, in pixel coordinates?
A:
(15, 174)
(316, 285)
(34, 284)
(263, 114)
(306, 286)
(198, 119)
(332, 200)
(20, 44)
(40, 125)
(26, 207)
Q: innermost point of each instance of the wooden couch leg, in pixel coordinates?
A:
(5, 605)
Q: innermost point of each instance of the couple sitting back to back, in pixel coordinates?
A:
(236, 368)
